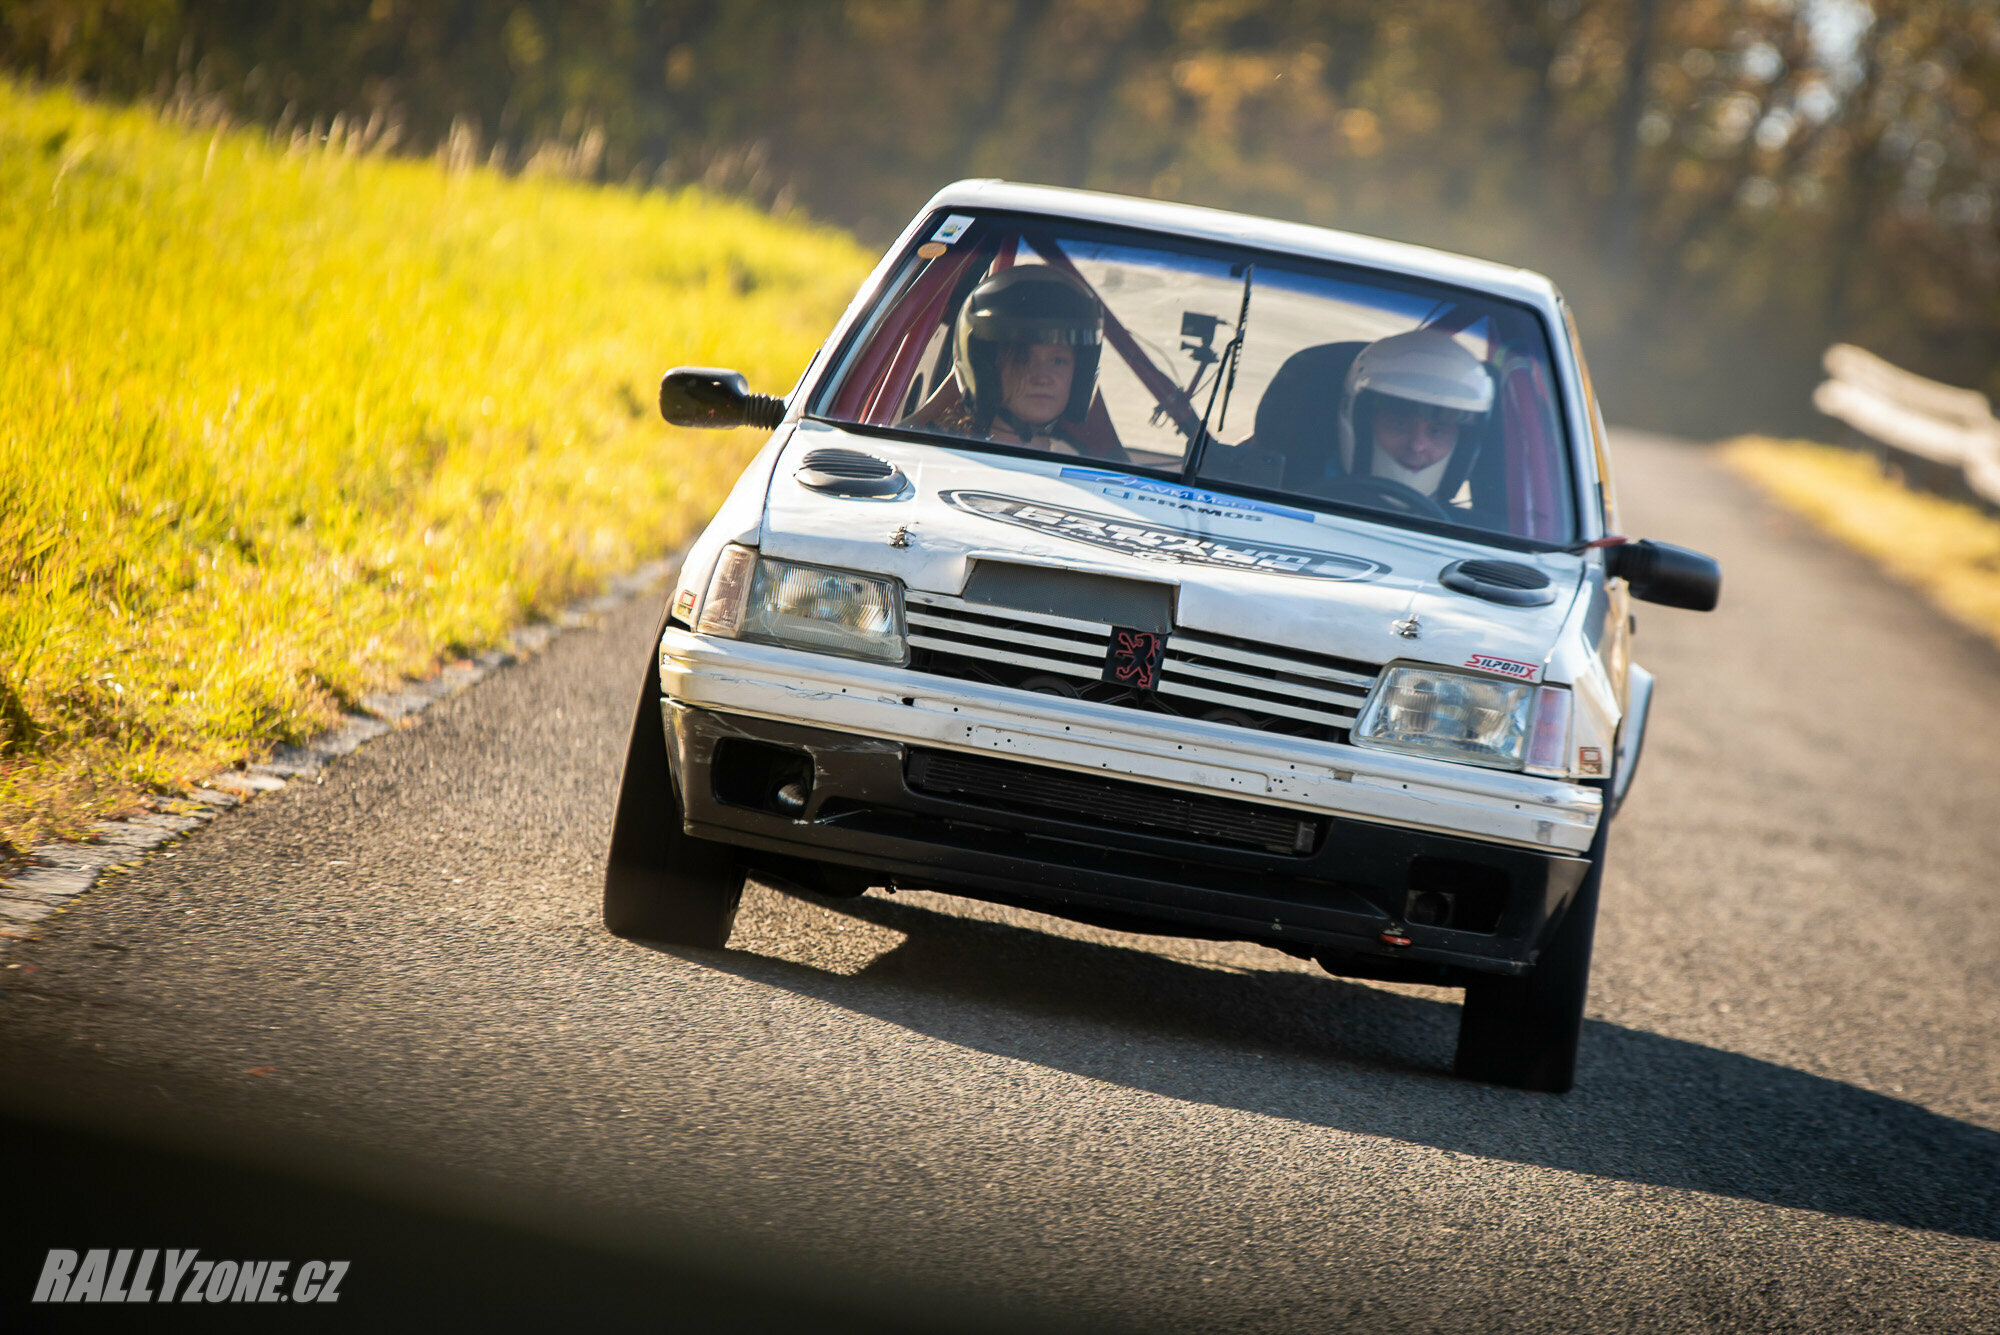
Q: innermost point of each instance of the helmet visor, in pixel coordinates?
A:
(1431, 412)
(1000, 327)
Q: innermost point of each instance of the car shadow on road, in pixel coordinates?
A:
(1322, 1051)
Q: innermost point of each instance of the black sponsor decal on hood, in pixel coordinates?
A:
(1154, 543)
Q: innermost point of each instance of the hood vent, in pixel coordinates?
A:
(849, 473)
(1506, 582)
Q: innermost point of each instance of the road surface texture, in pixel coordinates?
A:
(379, 1013)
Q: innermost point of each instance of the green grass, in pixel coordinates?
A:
(1947, 550)
(280, 425)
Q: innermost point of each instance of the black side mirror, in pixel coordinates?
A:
(1660, 572)
(705, 396)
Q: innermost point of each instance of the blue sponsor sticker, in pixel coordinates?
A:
(1193, 495)
(1149, 542)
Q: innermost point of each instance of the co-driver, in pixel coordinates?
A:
(1410, 401)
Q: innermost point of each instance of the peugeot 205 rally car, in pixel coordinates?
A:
(1174, 571)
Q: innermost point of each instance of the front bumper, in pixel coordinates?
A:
(1189, 755)
(1099, 848)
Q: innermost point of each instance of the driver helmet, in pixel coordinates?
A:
(1424, 367)
(1028, 303)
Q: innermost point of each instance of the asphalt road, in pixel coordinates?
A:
(390, 990)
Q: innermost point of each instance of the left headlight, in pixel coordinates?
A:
(1474, 720)
(754, 597)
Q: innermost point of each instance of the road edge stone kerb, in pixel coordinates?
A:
(51, 877)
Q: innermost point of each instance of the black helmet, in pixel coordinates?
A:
(1029, 303)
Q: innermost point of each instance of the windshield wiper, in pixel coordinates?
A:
(1232, 356)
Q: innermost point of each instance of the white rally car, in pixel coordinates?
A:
(1176, 571)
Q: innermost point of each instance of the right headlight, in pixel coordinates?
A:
(1475, 720)
(753, 597)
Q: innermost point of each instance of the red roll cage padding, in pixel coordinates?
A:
(882, 374)
(1534, 510)
(881, 408)
(1534, 507)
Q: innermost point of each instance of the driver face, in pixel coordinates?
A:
(1415, 435)
(1035, 380)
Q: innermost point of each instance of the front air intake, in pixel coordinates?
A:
(849, 473)
(1508, 582)
(1116, 804)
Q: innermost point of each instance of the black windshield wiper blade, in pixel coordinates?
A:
(1233, 355)
(1234, 351)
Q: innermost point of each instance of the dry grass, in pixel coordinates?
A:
(1947, 550)
(280, 424)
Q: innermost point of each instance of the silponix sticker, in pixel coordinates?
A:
(952, 228)
(1506, 667)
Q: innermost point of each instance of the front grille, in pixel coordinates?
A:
(1117, 804)
(1219, 678)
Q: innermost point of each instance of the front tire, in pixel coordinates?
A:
(1522, 1032)
(660, 883)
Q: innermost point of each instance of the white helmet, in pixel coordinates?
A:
(1426, 366)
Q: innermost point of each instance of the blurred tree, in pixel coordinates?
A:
(1723, 186)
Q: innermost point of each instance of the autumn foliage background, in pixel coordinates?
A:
(1723, 187)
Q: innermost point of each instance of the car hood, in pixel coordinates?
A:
(1253, 569)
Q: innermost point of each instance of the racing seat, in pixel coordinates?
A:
(1298, 419)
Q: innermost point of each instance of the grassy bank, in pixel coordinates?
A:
(1947, 550)
(280, 424)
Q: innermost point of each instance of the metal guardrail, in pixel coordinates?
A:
(1941, 437)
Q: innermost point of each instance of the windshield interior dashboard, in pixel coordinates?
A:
(1178, 477)
(1315, 383)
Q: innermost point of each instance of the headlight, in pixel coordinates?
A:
(1476, 720)
(753, 597)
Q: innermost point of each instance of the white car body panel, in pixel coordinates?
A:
(930, 544)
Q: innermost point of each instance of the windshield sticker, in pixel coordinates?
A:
(1183, 507)
(1193, 496)
(952, 228)
(930, 250)
(1506, 667)
(1133, 538)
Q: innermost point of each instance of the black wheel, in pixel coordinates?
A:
(660, 883)
(1523, 1032)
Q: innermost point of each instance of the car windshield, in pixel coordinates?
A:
(1328, 385)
